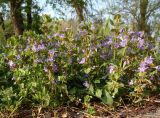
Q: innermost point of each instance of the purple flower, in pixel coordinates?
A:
(55, 68)
(142, 68)
(83, 32)
(34, 48)
(143, 65)
(86, 84)
(158, 68)
(45, 69)
(149, 46)
(92, 47)
(130, 32)
(61, 36)
(83, 60)
(123, 42)
(149, 60)
(49, 59)
(140, 43)
(111, 69)
(139, 34)
(50, 36)
(38, 61)
(133, 39)
(110, 41)
(41, 47)
(13, 78)
(20, 49)
(131, 82)
(18, 57)
(11, 64)
(104, 43)
(51, 52)
(56, 34)
(121, 30)
(151, 78)
(116, 45)
(130, 50)
(86, 75)
(81, 24)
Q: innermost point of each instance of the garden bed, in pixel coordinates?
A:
(149, 109)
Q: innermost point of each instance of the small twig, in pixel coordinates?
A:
(156, 101)
(1, 115)
(124, 104)
(39, 111)
(106, 110)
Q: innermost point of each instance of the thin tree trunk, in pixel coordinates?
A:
(16, 15)
(79, 9)
(143, 13)
(2, 24)
(2, 21)
(29, 14)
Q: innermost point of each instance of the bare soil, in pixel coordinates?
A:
(149, 109)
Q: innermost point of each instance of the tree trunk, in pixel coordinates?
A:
(29, 14)
(143, 13)
(3, 25)
(79, 7)
(16, 15)
(2, 21)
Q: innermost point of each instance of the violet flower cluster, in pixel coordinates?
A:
(144, 64)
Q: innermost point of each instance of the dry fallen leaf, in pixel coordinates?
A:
(65, 115)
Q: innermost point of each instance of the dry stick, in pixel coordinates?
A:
(39, 111)
(156, 101)
(1, 114)
(106, 110)
(125, 106)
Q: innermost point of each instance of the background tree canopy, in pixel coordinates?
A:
(25, 14)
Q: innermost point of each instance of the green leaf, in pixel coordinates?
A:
(90, 110)
(115, 92)
(88, 70)
(87, 99)
(97, 81)
(111, 22)
(116, 76)
(72, 91)
(91, 89)
(121, 52)
(107, 98)
(98, 93)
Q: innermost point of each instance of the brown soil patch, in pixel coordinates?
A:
(149, 109)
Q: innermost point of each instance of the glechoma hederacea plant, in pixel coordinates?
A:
(62, 67)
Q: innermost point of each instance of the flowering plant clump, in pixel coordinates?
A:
(62, 67)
